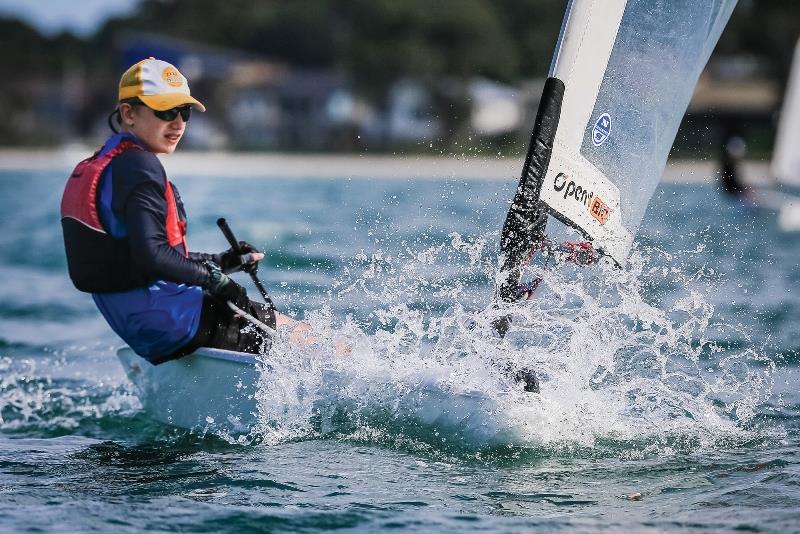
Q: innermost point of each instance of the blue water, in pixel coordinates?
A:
(670, 389)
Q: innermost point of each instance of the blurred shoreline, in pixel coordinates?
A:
(357, 166)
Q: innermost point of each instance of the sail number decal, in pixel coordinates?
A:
(601, 130)
(597, 208)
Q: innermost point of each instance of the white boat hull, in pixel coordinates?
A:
(214, 390)
(210, 389)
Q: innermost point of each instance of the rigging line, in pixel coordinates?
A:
(240, 312)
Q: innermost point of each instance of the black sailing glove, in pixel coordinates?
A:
(223, 288)
(232, 261)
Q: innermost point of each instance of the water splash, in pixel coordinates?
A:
(614, 366)
(35, 399)
(634, 356)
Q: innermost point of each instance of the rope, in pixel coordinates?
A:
(240, 312)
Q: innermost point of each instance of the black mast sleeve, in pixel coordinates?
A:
(525, 223)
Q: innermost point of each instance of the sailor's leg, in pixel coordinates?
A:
(254, 339)
(212, 320)
(220, 328)
(228, 331)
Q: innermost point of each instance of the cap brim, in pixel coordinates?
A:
(170, 100)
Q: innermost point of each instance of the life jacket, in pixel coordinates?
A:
(97, 261)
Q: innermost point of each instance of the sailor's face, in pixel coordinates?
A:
(160, 136)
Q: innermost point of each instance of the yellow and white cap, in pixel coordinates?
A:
(158, 84)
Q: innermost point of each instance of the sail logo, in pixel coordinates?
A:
(601, 130)
(597, 208)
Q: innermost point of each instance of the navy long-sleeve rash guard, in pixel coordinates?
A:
(163, 315)
(144, 208)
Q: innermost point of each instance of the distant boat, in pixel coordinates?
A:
(786, 157)
(785, 165)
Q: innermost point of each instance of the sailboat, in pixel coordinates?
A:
(620, 81)
(785, 166)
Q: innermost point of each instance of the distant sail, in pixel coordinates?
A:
(786, 157)
(620, 82)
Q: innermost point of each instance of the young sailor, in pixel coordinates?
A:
(125, 233)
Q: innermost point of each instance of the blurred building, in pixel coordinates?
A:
(734, 97)
(278, 108)
(258, 104)
(254, 103)
(496, 109)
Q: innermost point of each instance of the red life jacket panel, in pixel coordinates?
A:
(80, 195)
(98, 262)
(176, 228)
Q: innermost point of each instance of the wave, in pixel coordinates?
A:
(33, 402)
(631, 361)
(613, 366)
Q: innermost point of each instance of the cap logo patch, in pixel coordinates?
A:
(172, 77)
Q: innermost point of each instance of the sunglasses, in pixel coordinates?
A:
(169, 115)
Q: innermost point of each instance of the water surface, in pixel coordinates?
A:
(675, 379)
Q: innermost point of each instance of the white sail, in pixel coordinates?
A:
(629, 68)
(786, 157)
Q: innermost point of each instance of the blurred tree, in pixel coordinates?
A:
(376, 42)
(26, 52)
(298, 32)
(33, 91)
(382, 40)
(441, 44)
(766, 29)
(533, 27)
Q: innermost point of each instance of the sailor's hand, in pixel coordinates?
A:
(245, 259)
(299, 332)
(343, 348)
(223, 287)
(303, 334)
